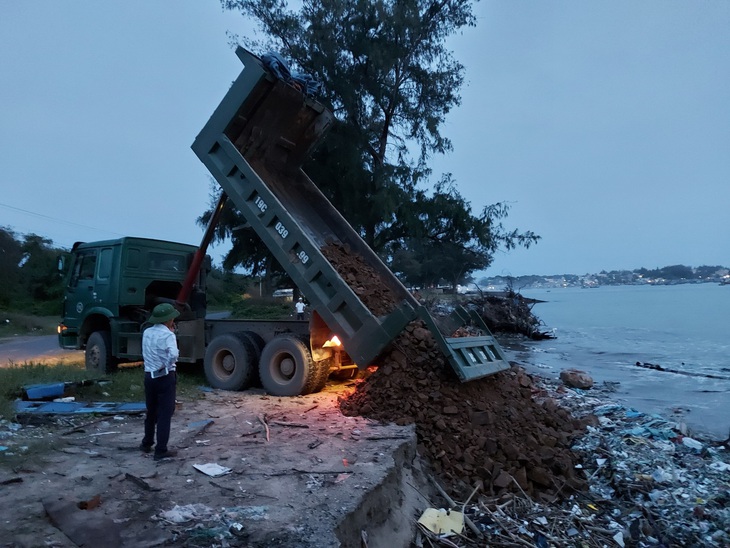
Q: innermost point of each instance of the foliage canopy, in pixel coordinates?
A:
(390, 81)
(31, 281)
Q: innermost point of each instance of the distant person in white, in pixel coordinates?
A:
(300, 306)
(160, 354)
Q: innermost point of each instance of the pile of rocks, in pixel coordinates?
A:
(361, 277)
(488, 432)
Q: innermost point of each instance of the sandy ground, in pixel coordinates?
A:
(300, 474)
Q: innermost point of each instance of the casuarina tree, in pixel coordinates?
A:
(388, 77)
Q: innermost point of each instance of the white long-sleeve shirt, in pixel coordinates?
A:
(159, 348)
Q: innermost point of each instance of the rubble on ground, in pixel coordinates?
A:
(575, 378)
(649, 484)
(467, 430)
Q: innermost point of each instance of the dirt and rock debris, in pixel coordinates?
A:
(465, 430)
(361, 277)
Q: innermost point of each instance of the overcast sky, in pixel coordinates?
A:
(605, 125)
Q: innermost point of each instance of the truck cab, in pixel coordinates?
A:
(111, 288)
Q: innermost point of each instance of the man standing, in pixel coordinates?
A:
(300, 306)
(160, 353)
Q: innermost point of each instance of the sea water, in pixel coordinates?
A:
(607, 330)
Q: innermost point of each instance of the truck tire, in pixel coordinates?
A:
(323, 373)
(258, 343)
(286, 367)
(98, 354)
(230, 362)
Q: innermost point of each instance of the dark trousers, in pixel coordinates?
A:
(160, 401)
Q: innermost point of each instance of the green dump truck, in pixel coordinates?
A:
(254, 145)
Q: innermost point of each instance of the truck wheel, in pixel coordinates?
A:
(286, 367)
(230, 362)
(98, 355)
(257, 340)
(323, 373)
(258, 343)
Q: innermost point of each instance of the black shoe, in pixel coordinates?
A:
(145, 448)
(166, 455)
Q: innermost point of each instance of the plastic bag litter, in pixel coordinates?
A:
(692, 443)
(189, 512)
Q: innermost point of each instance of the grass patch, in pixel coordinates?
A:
(12, 324)
(262, 309)
(14, 377)
(32, 445)
(125, 385)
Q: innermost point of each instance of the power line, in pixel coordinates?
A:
(62, 221)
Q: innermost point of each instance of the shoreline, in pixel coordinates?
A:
(693, 400)
(649, 482)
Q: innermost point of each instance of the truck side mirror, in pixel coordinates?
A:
(61, 262)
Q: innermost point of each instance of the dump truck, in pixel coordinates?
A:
(254, 145)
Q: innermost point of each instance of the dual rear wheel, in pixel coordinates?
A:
(233, 361)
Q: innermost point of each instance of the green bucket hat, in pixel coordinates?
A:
(163, 312)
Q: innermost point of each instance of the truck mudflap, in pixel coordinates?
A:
(467, 343)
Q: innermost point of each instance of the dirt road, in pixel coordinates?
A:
(298, 473)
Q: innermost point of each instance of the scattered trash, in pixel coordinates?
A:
(442, 522)
(90, 504)
(55, 389)
(212, 469)
(646, 486)
(82, 528)
(692, 443)
(61, 408)
(41, 391)
(200, 426)
(142, 482)
(720, 466)
(188, 512)
(237, 529)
